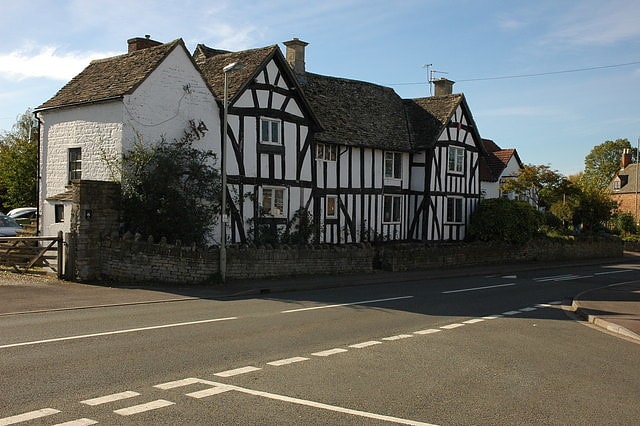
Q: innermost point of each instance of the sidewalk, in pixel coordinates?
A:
(614, 308)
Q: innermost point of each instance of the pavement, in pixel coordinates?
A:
(614, 308)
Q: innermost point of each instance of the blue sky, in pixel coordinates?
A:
(554, 116)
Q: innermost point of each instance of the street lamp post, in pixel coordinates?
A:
(223, 212)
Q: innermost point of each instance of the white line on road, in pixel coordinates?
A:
(427, 331)
(490, 317)
(528, 309)
(452, 326)
(363, 302)
(136, 409)
(365, 344)
(478, 288)
(79, 422)
(178, 383)
(473, 321)
(329, 352)
(28, 416)
(237, 371)
(110, 398)
(511, 313)
(287, 361)
(216, 390)
(109, 333)
(398, 337)
(612, 272)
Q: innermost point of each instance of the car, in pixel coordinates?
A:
(23, 215)
(8, 226)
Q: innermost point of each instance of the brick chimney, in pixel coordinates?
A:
(139, 43)
(626, 158)
(295, 54)
(443, 87)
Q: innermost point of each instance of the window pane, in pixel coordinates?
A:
(331, 206)
(264, 132)
(459, 160)
(397, 166)
(396, 209)
(333, 150)
(388, 164)
(278, 202)
(320, 151)
(387, 206)
(458, 210)
(275, 132)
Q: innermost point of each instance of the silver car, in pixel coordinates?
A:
(8, 226)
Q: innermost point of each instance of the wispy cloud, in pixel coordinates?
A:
(45, 62)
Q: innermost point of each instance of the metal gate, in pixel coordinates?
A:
(23, 253)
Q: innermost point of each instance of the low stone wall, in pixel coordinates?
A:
(128, 260)
(407, 257)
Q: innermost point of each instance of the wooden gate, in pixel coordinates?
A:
(30, 252)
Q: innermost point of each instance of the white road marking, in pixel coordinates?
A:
(528, 309)
(478, 288)
(612, 272)
(567, 277)
(209, 392)
(511, 313)
(398, 337)
(109, 333)
(237, 371)
(427, 331)
(110, 398)
(320, 405)
(490, 317)
(452, 326)
(137, 409)
(542, 305)
(365, 344)
(556, 302)
(363, 302)
(287, 361)
(473, 321)
(28, 416)
(178, 383)
(79, 422)
(329, 352)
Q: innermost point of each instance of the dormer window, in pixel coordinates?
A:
(616, 184)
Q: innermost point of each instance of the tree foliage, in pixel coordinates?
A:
(602, 163)
(171, 189)
(538, 184)
(501, 219)
(19, 164)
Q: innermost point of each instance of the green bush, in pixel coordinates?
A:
(625, 223)
(500, 219)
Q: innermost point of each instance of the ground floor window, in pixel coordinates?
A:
(392, 207)
(454, 209)
(273, 201)
(331, 210)
(59, 213)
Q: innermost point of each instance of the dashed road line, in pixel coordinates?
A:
(141, 408)
(427, 331)
(329, 352)
(452, 326)
(365, 344)
(528, 309)
(478, 288)
(511, 313)
(237, 371)
(397, 337)
(110, 398)
(79, 422)
(287, 361)
(31, 415)
(473, 321)
(209, 392)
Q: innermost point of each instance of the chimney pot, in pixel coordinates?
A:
(626, 158)
(295, 54)
(443, 87)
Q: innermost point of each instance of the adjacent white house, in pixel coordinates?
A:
(364, 162)
(496, 168)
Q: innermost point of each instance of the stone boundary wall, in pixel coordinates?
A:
(128, 260)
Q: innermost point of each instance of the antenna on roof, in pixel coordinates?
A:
(433, 73)
(427, 66)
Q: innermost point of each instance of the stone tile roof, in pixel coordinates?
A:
(111, 78)
(356, 113)
(428, 117)
(212, 61)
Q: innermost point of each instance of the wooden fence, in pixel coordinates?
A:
(23, 253)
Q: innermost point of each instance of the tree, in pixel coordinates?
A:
(602, 163)
(19, 164)
(171, 189)
(539, 184)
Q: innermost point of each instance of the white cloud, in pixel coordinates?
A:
(45, 62)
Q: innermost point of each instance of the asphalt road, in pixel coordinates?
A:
(479, 350)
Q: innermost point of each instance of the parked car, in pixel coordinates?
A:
(23, 215)
(8, 226)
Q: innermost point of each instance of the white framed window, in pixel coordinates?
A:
(273, 201)
(58, 211)
(455, 161)
(392, 209)
(616, 184)
(393, 165)
(270, 131)
(331, 207)
(326, 152)
(454, 209)
(75, 164)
